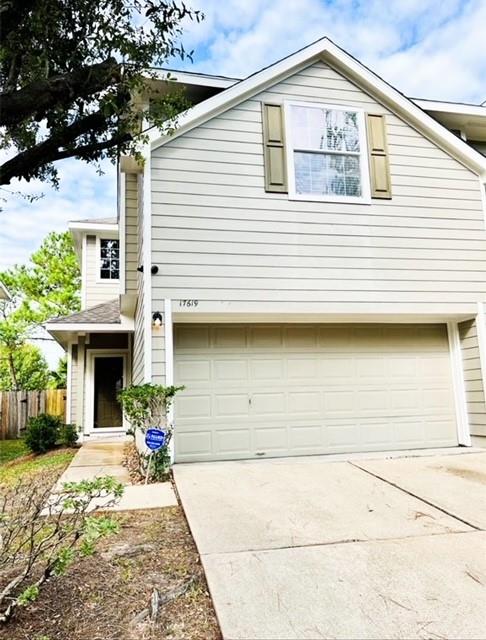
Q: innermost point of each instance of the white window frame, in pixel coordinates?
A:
(99, 238)
(365, 197)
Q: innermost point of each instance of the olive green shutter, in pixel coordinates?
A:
(274, 148)
(378, 155)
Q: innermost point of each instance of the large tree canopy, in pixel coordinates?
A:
(70, 71)
(47, 286)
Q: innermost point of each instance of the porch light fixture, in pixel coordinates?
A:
(156, 319)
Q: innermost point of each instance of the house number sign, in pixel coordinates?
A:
(188, 303)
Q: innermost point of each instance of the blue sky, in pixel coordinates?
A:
(425, 48)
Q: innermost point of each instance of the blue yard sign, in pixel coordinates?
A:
(155, 439)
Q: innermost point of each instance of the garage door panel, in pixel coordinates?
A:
(305, 437)
(194, 371)
(194, 406)
(291, 390)
(230, 370)
(230, 405)
(224, 336)
(265, 336)
(270, 439)
(266, 403)
(195, 443)
(192, 337)
(233, 441)
(267, 369)
(305, 402)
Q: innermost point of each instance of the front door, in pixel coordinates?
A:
(108, 374)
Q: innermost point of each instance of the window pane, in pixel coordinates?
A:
(323, 174)
(318, 128)
(109, 257)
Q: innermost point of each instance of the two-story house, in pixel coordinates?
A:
(307, 255)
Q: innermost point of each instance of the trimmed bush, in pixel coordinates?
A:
(68, 435)
(42, 432)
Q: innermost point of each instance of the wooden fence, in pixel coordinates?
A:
(17, 406)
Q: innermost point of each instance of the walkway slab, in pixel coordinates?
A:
(423, 587)
(96, 459)
(157, 495)
(456, 484)
(244, 506)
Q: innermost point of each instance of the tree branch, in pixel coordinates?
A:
(25, 164)
(36, 98)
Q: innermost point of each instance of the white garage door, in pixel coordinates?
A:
(279, 390)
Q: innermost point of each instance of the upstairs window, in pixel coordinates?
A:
(109, 259)
(326, 153)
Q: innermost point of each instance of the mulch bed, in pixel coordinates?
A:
(131, 462)
(108, 596)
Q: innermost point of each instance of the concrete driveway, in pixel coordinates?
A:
(367, 548)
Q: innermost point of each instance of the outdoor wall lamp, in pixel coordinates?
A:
(156, 319)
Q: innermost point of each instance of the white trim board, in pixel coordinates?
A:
(329, 52)
(169, 364)
(122, 213)
(126, 327)
(147, 264)
(463, 434)
(481, 333)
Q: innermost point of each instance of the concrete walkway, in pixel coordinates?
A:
(307, 548)
(104, 458)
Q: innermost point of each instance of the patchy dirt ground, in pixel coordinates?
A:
(107, 596)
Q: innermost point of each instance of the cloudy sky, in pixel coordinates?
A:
(425, 48)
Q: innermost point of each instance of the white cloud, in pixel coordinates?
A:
(82, 194)
(431, 49)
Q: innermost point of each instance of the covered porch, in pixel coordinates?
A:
(98, 343)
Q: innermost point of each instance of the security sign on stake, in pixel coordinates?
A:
(155, 439)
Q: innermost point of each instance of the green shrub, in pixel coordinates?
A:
(68, 435)
(42, 432)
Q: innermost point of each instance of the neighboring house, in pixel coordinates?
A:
(307, 255)
(4, 294)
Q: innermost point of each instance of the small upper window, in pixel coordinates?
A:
(109, 259)
(326, 153)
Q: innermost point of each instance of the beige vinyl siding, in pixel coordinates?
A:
(131, 245)
(475, 400)
(138, 338)
(97, 291)
(219, 238)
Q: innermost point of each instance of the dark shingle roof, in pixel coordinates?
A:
(105, 313)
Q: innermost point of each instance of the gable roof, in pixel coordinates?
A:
(104, 313)
(325, 50)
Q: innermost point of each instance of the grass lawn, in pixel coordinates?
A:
(56, 460)
(11, 449)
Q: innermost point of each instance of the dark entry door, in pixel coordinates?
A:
(108, 381)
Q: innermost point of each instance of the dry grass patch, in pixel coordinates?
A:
(108, 596)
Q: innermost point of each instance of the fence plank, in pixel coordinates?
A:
(16, 407)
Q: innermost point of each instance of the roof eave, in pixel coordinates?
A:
(90, 327)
